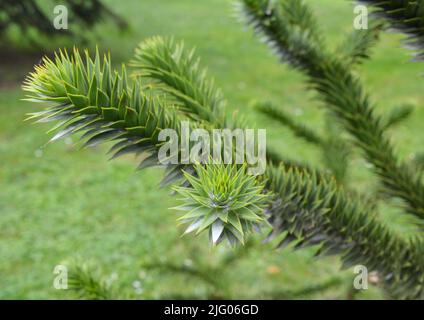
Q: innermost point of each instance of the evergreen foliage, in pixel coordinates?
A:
(302, 205)
(295, 39)
(29, 15)
(406, 16)
(86, 282)
(223, 199)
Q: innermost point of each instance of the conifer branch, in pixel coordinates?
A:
(88, 97)
(335, 151)
(397, 115)
(407, 16)
(176, 71)
(357, 45)
(289, 28)
(284, 28)
(322, 213)
(86, 283)
(299, 129)
(223, 199)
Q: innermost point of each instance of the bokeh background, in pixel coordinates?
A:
(58, 202)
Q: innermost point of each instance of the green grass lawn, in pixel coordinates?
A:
(58, 202)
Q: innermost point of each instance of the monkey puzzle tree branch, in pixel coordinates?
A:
(176, 72)
(313, 212)
(357, 45)
(292, 37)
(299, 129)
(87, 96)
(86, 283)
(407, 16)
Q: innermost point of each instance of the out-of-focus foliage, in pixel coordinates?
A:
(30, 15)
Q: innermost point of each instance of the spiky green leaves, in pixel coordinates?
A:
(285, 119)
(176, 71)
(342, 93)
(85, 282)
(223, 200)
(357, 45)
(289, 28)
(406, 16)
(316, 211)
(89, 97)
